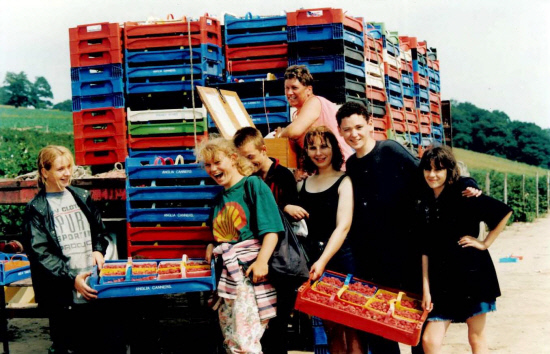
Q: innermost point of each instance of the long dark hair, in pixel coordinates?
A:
(442, 158)
(326, 135)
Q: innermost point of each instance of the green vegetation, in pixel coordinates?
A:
(39, 119)
(20, 92)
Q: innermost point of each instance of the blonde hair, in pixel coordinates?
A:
(209, 149)
(47, 156)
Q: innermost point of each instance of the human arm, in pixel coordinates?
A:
(469, 241)
(309, 113)
(209, 251)
(426, 295)
(344, 216)
(98, 259)
(259, 267)
(296, 212)
(471, 189)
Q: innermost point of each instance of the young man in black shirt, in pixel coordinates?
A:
(250, 143)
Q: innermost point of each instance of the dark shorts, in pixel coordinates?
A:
(459, 314)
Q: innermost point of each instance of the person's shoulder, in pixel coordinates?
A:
(394, 148)
(255, 182)
(79, 192)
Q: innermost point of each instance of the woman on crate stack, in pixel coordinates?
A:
(327, 197)
(65, 239)
(245, 225)
(311, 110)
(459, 279)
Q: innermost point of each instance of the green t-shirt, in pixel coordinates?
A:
(241, 214)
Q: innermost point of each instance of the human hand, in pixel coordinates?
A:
(278, 132)
(300, 175)
(469, 241)
(471, 192)
(296, 212)
(259, 271)
(427, 302)
(209, 251)
(83, 288)
(316, 270)
(98, 259)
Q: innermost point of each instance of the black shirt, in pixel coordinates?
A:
(282, 184)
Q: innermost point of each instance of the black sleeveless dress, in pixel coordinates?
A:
(322, 208)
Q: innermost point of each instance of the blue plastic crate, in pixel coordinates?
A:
(423, 106)
(435, 87)
(150, 155)
(268, 102)
(172, 193)
(323, 33)
(96, 73)
(437, 131)
(144, 168)
(203, 52)
(252, 22)
(152, 287)
(407, 79)
(16, 274)
(253, 77)
(415, 139)
(273, 118)
(396, 101)
(408, 91)
(115, 100)
(329, 64)
(393, 49)
(392, 87)
(247, 39)
(169, 86)
(421, 93)
(373, 31)
(167, 215)
(419, 68)
(104, 87)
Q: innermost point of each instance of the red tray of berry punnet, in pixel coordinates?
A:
(387, 312)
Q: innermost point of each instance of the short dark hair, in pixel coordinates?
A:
(300, 73)
(442, 158)
(325, 134)
(350, 108)
(248, 134)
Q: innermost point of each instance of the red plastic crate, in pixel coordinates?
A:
(94, 31)
(425, 129)
(436, 65)
(424, 118)
(166, 251)
(398, 126)
(99, 116)
(380, 123)
(422, 47)
(411, 117)
(412, 126)
(406, 66)
(419, 79)
(392, 71)
(409, 104)
(372, 55)
(95, 38)
(374, 94)
(435, 97)
(169, 233)
(139, 35)
(102, 157)
(373, 44)
(380, 134)
(407, 43)
(323, 16)
(114, 56)
(100, 143)
(378, 327)
(99, 130)
(436, 118)
(234, 66)
(280, 50)
(397, 114)
(164, 142)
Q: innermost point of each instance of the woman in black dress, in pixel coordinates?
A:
(459, 279)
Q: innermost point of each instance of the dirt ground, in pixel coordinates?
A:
(521, 323)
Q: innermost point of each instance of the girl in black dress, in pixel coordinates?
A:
(459, 279)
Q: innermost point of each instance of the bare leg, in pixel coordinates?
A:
(476, 334)
(353, 344)
(432, 341)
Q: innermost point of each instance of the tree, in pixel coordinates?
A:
(18, 89)
(3, 95)
(40, 91)
(66, 105)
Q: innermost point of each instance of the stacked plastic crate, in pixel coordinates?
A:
(165, 61)
(331, 44)
(255, 48)
(407, 83)
(99, 120)
(375, 90)
(435, 94)
(422, 96)
(167, 194)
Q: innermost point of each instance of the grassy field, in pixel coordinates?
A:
(478, 161)
(46, 120)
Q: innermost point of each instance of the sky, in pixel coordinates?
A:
(493, 53)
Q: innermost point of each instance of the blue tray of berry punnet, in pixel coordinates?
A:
(125, 278)
(13, 267)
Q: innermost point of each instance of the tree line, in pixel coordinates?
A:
(494, 133)
(19, 91)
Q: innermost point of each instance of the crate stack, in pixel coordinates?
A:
(331, 44)
(412, 118)
(435, 94)
(165, 61)
(97, 84)
(168, 203)
(375, 85)
(256, 51)
(422, 95)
